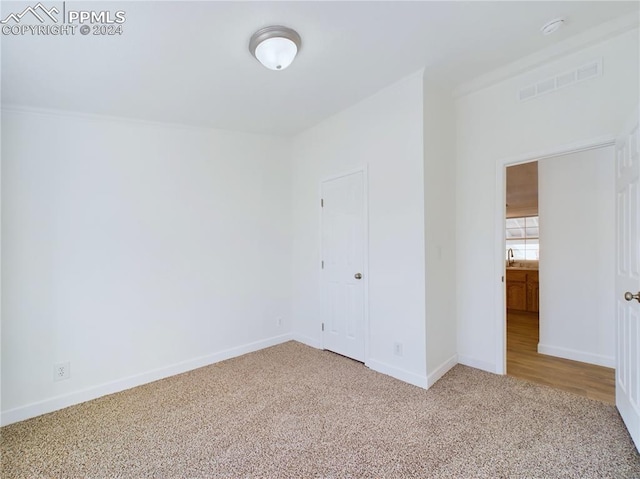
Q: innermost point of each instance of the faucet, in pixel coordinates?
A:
(510, 260)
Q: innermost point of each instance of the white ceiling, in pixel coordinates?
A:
(188, 62)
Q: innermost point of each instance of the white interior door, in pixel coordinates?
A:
(343, 282)
(628, 277)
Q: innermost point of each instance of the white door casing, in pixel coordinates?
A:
(343, 281)
(628, 276)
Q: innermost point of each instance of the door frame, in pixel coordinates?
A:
(500, 214)
(365, 252)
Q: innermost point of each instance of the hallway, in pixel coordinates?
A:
(523, 361)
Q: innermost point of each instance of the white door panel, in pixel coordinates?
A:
(628, 277)
(343, 250)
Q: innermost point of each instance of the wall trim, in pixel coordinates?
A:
(308, 340)
(575, 355)
(441, 370)
(398, 373)
(477, 364)
(60, 402)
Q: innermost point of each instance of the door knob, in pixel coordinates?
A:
(630, 296)
(357, 276)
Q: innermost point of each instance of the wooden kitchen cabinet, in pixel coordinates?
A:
(517, 290)
(533, 292)
(522, 290)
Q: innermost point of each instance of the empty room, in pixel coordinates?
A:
(267, 239)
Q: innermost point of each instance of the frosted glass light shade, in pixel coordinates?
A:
(276, 53)
(275, 47)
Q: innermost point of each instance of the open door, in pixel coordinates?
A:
(628, 276)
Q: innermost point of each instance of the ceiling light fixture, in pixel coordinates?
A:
(275, 47)
(550, 27)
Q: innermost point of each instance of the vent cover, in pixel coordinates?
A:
(585, 72)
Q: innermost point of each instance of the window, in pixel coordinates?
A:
(523, 238)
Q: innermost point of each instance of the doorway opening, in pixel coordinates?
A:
(558, 294)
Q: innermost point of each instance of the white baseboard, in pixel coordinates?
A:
(441, 370)
(582, 356)
(398, 373)
(59, 402)
(308, 340)
(477, 363)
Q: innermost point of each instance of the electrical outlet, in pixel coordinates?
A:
(61, 371)
(279, 322)
(397, 349)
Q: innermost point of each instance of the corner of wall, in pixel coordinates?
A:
(439, 137)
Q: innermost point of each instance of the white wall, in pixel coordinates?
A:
(385, 133)
(135, 251)
(440, 224)
(493, 127)
(577, 260)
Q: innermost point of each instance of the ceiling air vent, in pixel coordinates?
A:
(588, 71)
(566, 79)
(585, 72)
(545, 86)
(527, 93)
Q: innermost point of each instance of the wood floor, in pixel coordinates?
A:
(523, 361)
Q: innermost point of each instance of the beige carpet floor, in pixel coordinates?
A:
(293, 411)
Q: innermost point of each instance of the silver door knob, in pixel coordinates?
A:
(630, 296)
(357, 276)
